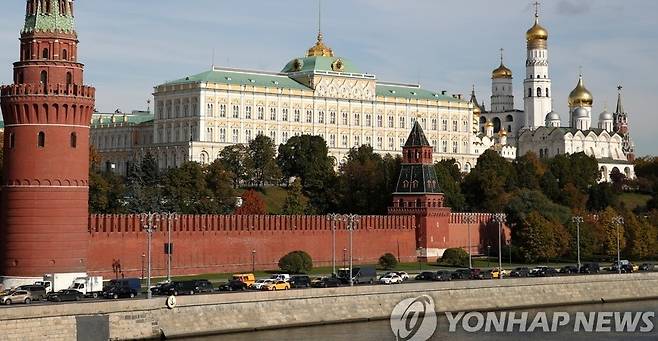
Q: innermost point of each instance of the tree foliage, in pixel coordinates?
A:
(388, 261)
(235, 160)
(261, 161)
(296, 262)
(295, 203)
(252, 203)
(455, 257)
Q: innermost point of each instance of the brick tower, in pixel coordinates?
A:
(47, 111)
(418, 193)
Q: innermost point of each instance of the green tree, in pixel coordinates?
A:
(261, 160)
(641, 236)
(235, 160)
(219, 182)
(388, 261)
(539, 239)
(362, 188)
(609, 231)
(144, 192)
(486, 186)
(252, 203)
(295, 203)
(529, 171)
(106, 193)
(449, 182)
(455, 257)
(185, 189)
(601, 196)
(296, 262)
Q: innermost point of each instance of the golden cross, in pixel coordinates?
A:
(537, 8)
(501, 55)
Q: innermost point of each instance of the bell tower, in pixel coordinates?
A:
(418, 193)
(47, 111)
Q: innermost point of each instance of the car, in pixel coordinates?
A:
(590, 268)
(325, 282)
(17, 296)
(461, 274)
(300, 281)
(403, 275)
(258, 285)
(280, 277)
(487, 274)
(65, 295)
(276, 285)
(364, 274)
(38, 292)
(543, 271)
(189, 287)
(626, 266)
(119, 291)
(248, 279)
(520, 272)
(442, 276)
(495, 273)
(569, 269)
(426, 276)
(646, 267)
(133, 283)
(390, 279)
(233, 285)
(160, 289)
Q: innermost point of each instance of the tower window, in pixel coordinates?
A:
(44, 77)
(41, 139)
(538, 92)
(12, 140)
(65, 54)
(74, 140)
(529, 92)
(45, 54)
(547, 93)
(69, 78)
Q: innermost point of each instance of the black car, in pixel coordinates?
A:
(38, 292)
(161, 289)
(461, 274)
(487, 274)
(325, 282)
(569, 269)
(590, 268)
(520, 272)
(65, 295)
(646, 267)
(233, 285)
(442, 276)
(300, 281)
(543, 271)
(118, 291)
(426, 276)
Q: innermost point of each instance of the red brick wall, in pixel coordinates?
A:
(483, 232)
(205, 244)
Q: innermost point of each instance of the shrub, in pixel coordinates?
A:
(296, 262)
(455, 257)
(388, 261)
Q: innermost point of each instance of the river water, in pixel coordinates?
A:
(381, 330)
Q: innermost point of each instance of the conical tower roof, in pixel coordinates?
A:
(417, 137)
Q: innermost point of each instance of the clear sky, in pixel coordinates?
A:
(130, 46)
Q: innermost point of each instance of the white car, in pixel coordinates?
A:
(259, 284)
(403, 275)
(390, 279)
(281, 277)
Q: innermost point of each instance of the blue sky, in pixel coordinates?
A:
(129, 46)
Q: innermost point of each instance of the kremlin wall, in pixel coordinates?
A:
(213, 243)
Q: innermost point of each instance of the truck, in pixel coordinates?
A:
(91, 286)
(59, 281)
(360, 275)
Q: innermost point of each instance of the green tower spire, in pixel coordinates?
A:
(49, 16)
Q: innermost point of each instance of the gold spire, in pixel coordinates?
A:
(537, 34)
(580, 96)
(320, 49)
(502, 71)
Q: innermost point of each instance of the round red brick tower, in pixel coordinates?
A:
(47, 111)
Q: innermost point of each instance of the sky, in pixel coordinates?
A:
(130, 46)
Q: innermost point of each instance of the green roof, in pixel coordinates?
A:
(239, 77)
(318, 63)
(412, 92)
(131, 119)
(49, 22)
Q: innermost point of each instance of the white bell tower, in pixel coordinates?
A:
(537, 84)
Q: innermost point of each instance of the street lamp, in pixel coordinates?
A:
(618, 220)
(143, 259)
(148, 220)
(170, 216)
(470, 219)
(344, 257)
(500, 219)
(253, 261)
(577, 220)
(334, 217)
(488, 256)
(352, 220)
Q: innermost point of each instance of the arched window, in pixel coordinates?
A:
(538, 92)
(69, 78)
(44, 54)
(529, 92)
(509, 118)
(483, 120)
(547, 95)
(41, 139)
(12, 140)
(65, 54)
(44, 77)
(19, 79)
(74, 140)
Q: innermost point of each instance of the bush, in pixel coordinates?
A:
(296, 262)
(388, 261)
(455, 257)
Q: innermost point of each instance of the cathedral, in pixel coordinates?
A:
(539, 129)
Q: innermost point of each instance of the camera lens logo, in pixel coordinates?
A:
(414, 319)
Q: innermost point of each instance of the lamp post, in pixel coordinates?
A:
(577, 220)
(500, 218)
(618, 220)
(470, 219)
(352, 220)
(344, 257)
(148, 220)
(488, 256)
(334, 217)
(143, 260)
(253, 261)
(170, 216)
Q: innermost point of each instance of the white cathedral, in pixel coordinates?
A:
(538, 128)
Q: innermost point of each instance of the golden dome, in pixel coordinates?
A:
(476, 110)
(580, 96)
(489, 124)
(536, 32)
(501, 72)
(320, 49)
(502, 132)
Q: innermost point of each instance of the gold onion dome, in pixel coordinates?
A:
(536, 32)
(502, 132)
(489, 124)
(320, 49)
(501, 72)
(580, 96)
(476, 110)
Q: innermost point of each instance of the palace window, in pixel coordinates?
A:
(357, 120)
(332, 118)
(41, 139)
(391, 122)
(454, 126)
(455, 147)
(261, 113)
(222, 110)
(368, 120)
(344, 118)
(444, 146)
(379, 121)
(369, 140)
(285, 137)
(273, 114)
(247, 112)
(74, 140)
(332, 140)
(380, 143)
(391, 144)
(297, 115)
(45, 54)
(235, 136)
(402, 121)
(285, 114)
(321, 117)
(273, 136)
(444, 125)
(309, 116)
(210, 111)
(434, 124)
(247, 135)
(344, 138)
(65, 54)
(222, 135)
(357, 141)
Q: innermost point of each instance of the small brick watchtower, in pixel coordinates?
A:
(47, 111)
(418, 193)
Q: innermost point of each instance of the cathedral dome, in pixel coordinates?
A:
(552, 116)
(536, 32)
(605, 116)
(320, 49)
(580, 112)
(476, 110)
(580, 95)
(501, 72)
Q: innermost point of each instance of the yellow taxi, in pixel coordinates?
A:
(276, 285)
(495, 273)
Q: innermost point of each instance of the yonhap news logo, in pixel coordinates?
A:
(415, 319)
